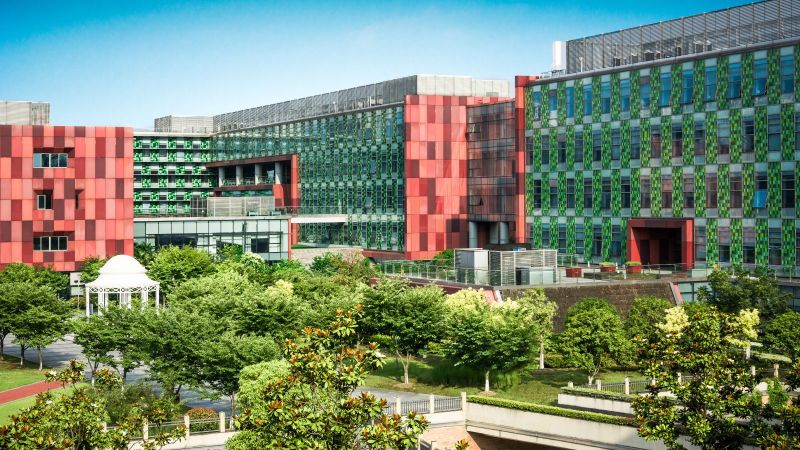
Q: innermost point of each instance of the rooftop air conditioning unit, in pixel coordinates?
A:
(616, 61)
(649, 56)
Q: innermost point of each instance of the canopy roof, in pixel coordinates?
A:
(122, 272)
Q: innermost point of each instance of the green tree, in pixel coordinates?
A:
(717, 405)
(144, 253)
(90, 269)
(411, 318)
(37, 275)
(487, 338)
(111, 338)
(174, 265)
(734, 291)
(542, 313)
(16, 298)
(593, 336)
(41, 325)
(782, 334)
(96, 339)
(313, 407)
(645, 313)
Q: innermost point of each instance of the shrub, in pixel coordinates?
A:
(202, 416)
(552, 410)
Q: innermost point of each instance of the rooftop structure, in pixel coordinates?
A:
(184, 124)
(24, 113)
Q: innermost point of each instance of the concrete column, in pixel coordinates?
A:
(88, 304)
(221, 176)
(504, 232)
(776, 370)
(570, 384)
(463, 401)
(222, 421)
(599, 384)
(753, 370)
(398, 405)
(145, 430)
(258, 173)
(627, 386)
(186, 422)
(278, 173)
(494, 233)
(431, 404)
(239, 175)
(473, 234)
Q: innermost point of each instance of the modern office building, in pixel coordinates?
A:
(66, 193)
(184, 124)
(24, 113)
(676, 142)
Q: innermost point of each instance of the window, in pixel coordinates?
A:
(748, 131)
(666, 88)
(616, 241)
(644, 183)
(44, 200)
(605, 197)
(528, 150)
(537, 105)
(749, 245)
(597, 150)
(787, 190)
(580, 238)
(700, 243)
(655, 140)
(774, 242)
(597, 240)
(710, 89)
(45, 160)
(762, 188)
(615, 144)
(562, 238)
(537, 194)
(570, 193)
(625, 95)
(50, 243)
(774, 133)
(578, 146)
(605, 97)
(688, 191)
(736, 190)
(699, 137)
(259, 245)
(723, 136)
(797, 131)
(644, 91)
(711, 191)
(545, 235)
(587, 100)
(570, 91)
(562, 148)
(552, 99)
(724, 244)
(587, 193)
(687, 85)
(636, 143)
(787, 74)
(760, 76)
(666, 191)
(625, 192)
(677, 140)
(554, 194)
(734, 80)
(545, 149)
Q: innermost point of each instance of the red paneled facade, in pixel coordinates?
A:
(436, 172)
(90, 201)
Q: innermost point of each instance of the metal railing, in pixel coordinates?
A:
(299, 210)
(445, 404)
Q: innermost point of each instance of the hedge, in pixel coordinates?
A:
(585, 392)
(552, 410)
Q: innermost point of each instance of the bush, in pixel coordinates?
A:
(585, 392)
(121, 403)
(449, 375)
(203, 415)
(552, 410)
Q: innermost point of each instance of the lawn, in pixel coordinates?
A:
(7, 409)
(12, 375)
(436, 376)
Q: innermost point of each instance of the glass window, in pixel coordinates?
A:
(762, 188)
(528, 150)
(615, 140)
(774, 242)
(562, 148)
(710, 89)
(723, 136)
(545, 235)
(625, 95)
(50, 243)
(562, 238)
(688, 191)
(587, 100)
(597, 150)
(734, 80)
(545, 149)
(580, 238)
(787, 190)
(570, 101)
(655, 140)
(666, 191)
(748, 134)
(760, 76)
(537, 194)
(644, 184)
(625, 192)
(605, 198)
(587, 193)
(797, 131)
(749, 245)
(597, 241)
(724, 243)
(787, 74)
(666, 88)
(578, 146)
(45, 160)
(677, 140)
(605, 97)
(636, 143)
(711, 190)
(552, 99)
(699, 137)
(259, 245)
(700, 243)
(570, 193)
(736, 190)
(537, 105)
(774, 133)
(44, 200)
(644, 91)
(616, 241)
(554, 194)
(687, 85)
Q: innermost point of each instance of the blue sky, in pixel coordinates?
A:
(127, 62)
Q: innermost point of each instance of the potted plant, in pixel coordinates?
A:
(633, 267)
(608, 267)
(574, 272)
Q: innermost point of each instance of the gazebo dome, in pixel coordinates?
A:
(123, 276)
(122, 265)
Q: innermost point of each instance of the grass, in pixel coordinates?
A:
(12, 375)
(437, 376)
(7, 409)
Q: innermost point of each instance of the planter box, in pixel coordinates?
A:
(633, 269)
(608, 269)
(574, 272)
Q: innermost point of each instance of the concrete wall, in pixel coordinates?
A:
(594, 403)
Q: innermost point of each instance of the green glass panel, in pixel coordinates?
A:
(616, 196)
(762, 242)
(688, 139)
(700, 190)
(711, 137)
(677, 191)
(787, 132)
(736, 241)
(712, 242)
(723, 190)
(615, 97)
(655, 192)
(636, 196)
(605, 135)
(774, 189)
(788, 253)
(761, 133)
(722, 82)
(773, 76)
(736, 135)
(748, 189)
(747, 80)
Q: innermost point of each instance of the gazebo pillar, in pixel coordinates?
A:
(145, 297)
(88, 304)
(157, 296)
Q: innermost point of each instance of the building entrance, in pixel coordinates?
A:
(661, 241)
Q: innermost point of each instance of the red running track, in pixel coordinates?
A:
(27, 390)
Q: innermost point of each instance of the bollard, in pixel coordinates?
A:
(599, 384)
(570, 384)
(753, 370)
(186, 423)
(145, 431)
(431, 404)
(221, 421)
(776, 370)
(463, 401)
(627, 386)
(398, 405)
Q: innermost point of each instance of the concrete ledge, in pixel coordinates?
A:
(595, 404)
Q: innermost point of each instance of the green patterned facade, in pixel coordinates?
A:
(724, 154)
(168, 170)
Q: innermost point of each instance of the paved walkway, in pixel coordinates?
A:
(26, 391)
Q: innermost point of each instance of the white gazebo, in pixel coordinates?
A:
(121, 275)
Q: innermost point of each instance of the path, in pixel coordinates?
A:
(26, 391)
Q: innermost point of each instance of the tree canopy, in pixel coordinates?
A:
(174, 265)
(737, 290)
(782, 334)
